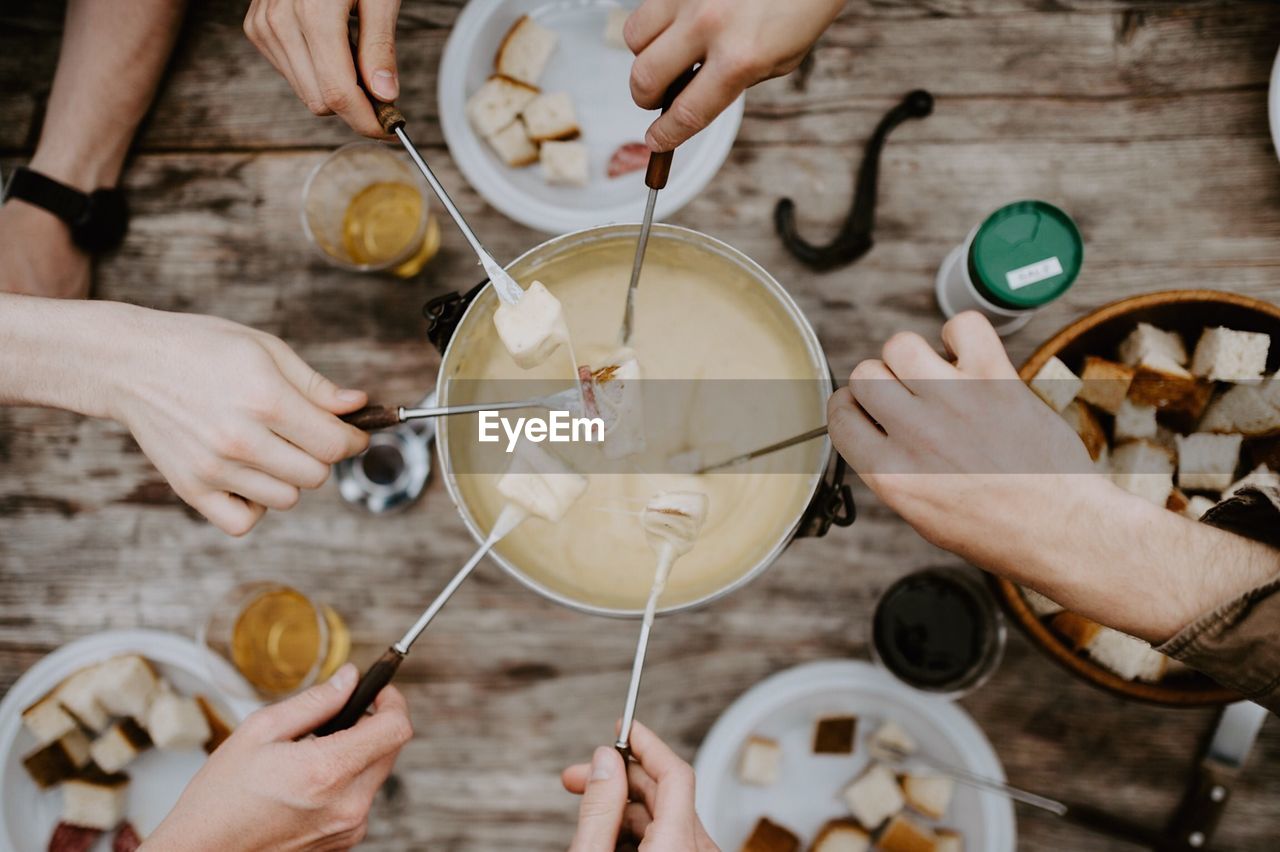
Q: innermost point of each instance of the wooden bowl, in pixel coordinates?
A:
(1100, 333)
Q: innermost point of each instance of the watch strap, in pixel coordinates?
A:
(65, 202)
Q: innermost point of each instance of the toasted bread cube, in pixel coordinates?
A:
(929, 794)
(498, 103)
(1056, 384)
(1208, 462)
(768, 836)
(1225, 355)
(949, 841)
(127, 685)
(1243, 409)
(1170, 388)
(565, 163)
(905, 835)
(891, 738)
(122, 742)
(1177, 502)
(78, 695)
(835, 735)
(513, 146)
(1130, 658)
(1086, 424)
(61, 759)
(1260, 477)
(1269, 388)
(1076, 629)
(219, 728)
(1102, 464)
(1106, 383)
(761, 761)
(1134, 421)
(1040, 604)
(550, 118)
(47, 720)
(1144, 469)
(874, 796)
(525, 51)
(176, 722)
(841, 835)
(95, 799)
(1147, 340)
(1197, 505)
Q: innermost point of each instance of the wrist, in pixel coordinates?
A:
(85, 170)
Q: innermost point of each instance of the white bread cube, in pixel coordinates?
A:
(929, 794)
(1270, 390)
(874, 796)
(1225, 355)
(119, 745)
(1086, 424)
(95, 799)
(615, 26)
(54, 763)
(1144, 469)
(1244, 409)
(565, 163)
(498, 103)
(550, 118)
(761, 762)
(889, 739)
(1056, 384)
(1040, 604)
(1207, 462)
(513, 146)
(1134, 421)
(949, 841)
(1146, 340)
(126, 685)
(841, 835)
(78, 695)
(525, 51)
(1260, 477)
(1130, 658)
(47, 721)
(1106, 383)
(1197, 505)
(176, 722)
(904, 834)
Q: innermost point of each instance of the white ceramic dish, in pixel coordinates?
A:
(27, 814)
(1273, 104)
(785, 707)
(597, 76)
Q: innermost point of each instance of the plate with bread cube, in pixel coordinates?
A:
(839, 756)
(535, 106)
(100, 738)
(1176, 397)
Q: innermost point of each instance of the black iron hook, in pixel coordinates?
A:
(854, 239)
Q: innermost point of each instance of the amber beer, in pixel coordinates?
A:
(380, 224)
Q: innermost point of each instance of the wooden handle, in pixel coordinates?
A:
(371, 683)
(627, 842)
(1198, 815)
(373, 417)
(655, 177)
(388, 114)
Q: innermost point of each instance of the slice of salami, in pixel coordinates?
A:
(631, 157)
(72, 838)
(127, 839)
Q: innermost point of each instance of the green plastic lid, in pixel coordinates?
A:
(1025, 255)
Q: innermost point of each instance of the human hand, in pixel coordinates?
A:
(963, 451)
(232, 417)
(260, 790)
(37, 256)
(661, 787)
(308, 44)
(739, 43)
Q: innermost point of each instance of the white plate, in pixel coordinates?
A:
(27, 814)
(807, 794)
(597, 76)
(1273, 104)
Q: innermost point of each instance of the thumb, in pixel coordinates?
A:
(377, 49)
(306, 711)
(315, 387)
(603, 803)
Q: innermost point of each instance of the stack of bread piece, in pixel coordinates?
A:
(523, 124)
(888, 809)
(1184, 427)
(95, 723)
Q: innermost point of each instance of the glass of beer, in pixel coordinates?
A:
(276, 638)
(365, 209)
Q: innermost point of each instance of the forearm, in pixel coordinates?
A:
(113, 54)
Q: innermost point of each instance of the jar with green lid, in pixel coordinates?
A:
(1021, 258)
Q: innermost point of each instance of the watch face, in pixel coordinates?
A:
(104, 223)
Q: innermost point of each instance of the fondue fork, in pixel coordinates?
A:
(666, 558)
(655, 177)
(378, 675)
(373, 417)
(764, 451)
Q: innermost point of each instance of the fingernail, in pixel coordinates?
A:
(344, 678)
(347, 395)
(601, 765)
(384, 84)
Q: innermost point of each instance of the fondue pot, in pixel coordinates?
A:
(459, 322)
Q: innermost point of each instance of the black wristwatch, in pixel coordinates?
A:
(98, 220)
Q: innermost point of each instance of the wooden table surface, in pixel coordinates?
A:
(1146, 120)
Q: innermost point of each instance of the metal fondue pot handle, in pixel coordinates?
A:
(832, 503)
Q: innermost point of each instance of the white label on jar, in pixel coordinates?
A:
(1033, 273)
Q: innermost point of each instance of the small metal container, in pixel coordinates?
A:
(391, 474)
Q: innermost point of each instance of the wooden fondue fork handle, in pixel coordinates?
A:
(373, 681)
